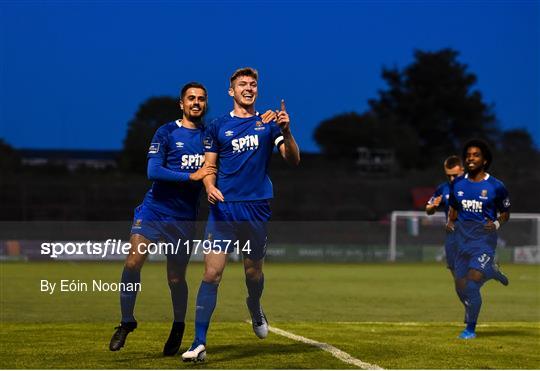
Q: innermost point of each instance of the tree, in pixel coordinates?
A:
(426, 112)
(153, 113)
(434, 96)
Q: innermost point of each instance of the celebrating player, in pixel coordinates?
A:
(240, 146)
(480, 204)
(175, 165)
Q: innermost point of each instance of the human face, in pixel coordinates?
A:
(193, 104)
(474, 160)
(244, 91)
(454, 172)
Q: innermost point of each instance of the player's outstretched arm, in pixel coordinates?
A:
(289, 150)
(209, 181)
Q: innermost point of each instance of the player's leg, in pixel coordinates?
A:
(214, 265)
(498, 275)
(461, 268)
(255, 286)
(177, 233)
(254, 231)
(451, 252)
(176, 277)
(474, 281)
(131, 276)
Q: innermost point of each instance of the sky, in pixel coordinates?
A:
(73, 73)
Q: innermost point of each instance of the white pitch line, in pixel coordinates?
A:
(338, 353)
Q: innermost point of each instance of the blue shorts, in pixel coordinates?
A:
(481, 260)
(450, 250)
(156, 226)
(243, 223)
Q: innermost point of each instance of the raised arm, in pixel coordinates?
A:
(289, 150)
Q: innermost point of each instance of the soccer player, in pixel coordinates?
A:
(479, 206)
(452, 168)
(168, 211)
(241, 147)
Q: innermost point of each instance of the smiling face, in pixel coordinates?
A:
(474, 159)
(244, 91)
(193, 104)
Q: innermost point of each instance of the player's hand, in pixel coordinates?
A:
(437, 201)
(450, 226)
(214, 195)
(202, 172)
(283, 118)
(490, 226)
(268, 116)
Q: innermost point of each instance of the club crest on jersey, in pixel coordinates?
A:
(179, 145)
(247, 143)
(192, 161)
(137, 223)
(259, 126)
(483, 194)
(154, 148)
(229, 133)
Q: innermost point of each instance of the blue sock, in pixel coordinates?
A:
(179, 296)
(206, 302)
(474, 302)
(461, 295)
(255, 289)
(127, 298)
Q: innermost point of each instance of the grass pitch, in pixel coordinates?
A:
(395, 316)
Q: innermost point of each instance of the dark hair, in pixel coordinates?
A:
(452, 161)
(192, 84)
(484, 148)
(245, 71)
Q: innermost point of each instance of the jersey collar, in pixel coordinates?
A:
(485, 176)
(233, 115)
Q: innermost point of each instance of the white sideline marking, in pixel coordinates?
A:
(338, 353)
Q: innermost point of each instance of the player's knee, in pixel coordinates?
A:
(212, 275)
(134, 264)
(475, 275)
(253, 274)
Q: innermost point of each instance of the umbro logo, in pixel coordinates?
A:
(460, 193)
(229, 133)
(179, 145)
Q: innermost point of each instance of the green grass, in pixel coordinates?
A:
(395, 316)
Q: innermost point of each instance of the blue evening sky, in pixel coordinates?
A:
(74, 72)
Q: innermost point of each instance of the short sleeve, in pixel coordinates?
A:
(210, 141)
(158, 146)
(277, 137)
(502, 198)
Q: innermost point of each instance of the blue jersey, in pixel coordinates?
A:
(180, 151)
(444, 191)
(244, 147)
(477, 202)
